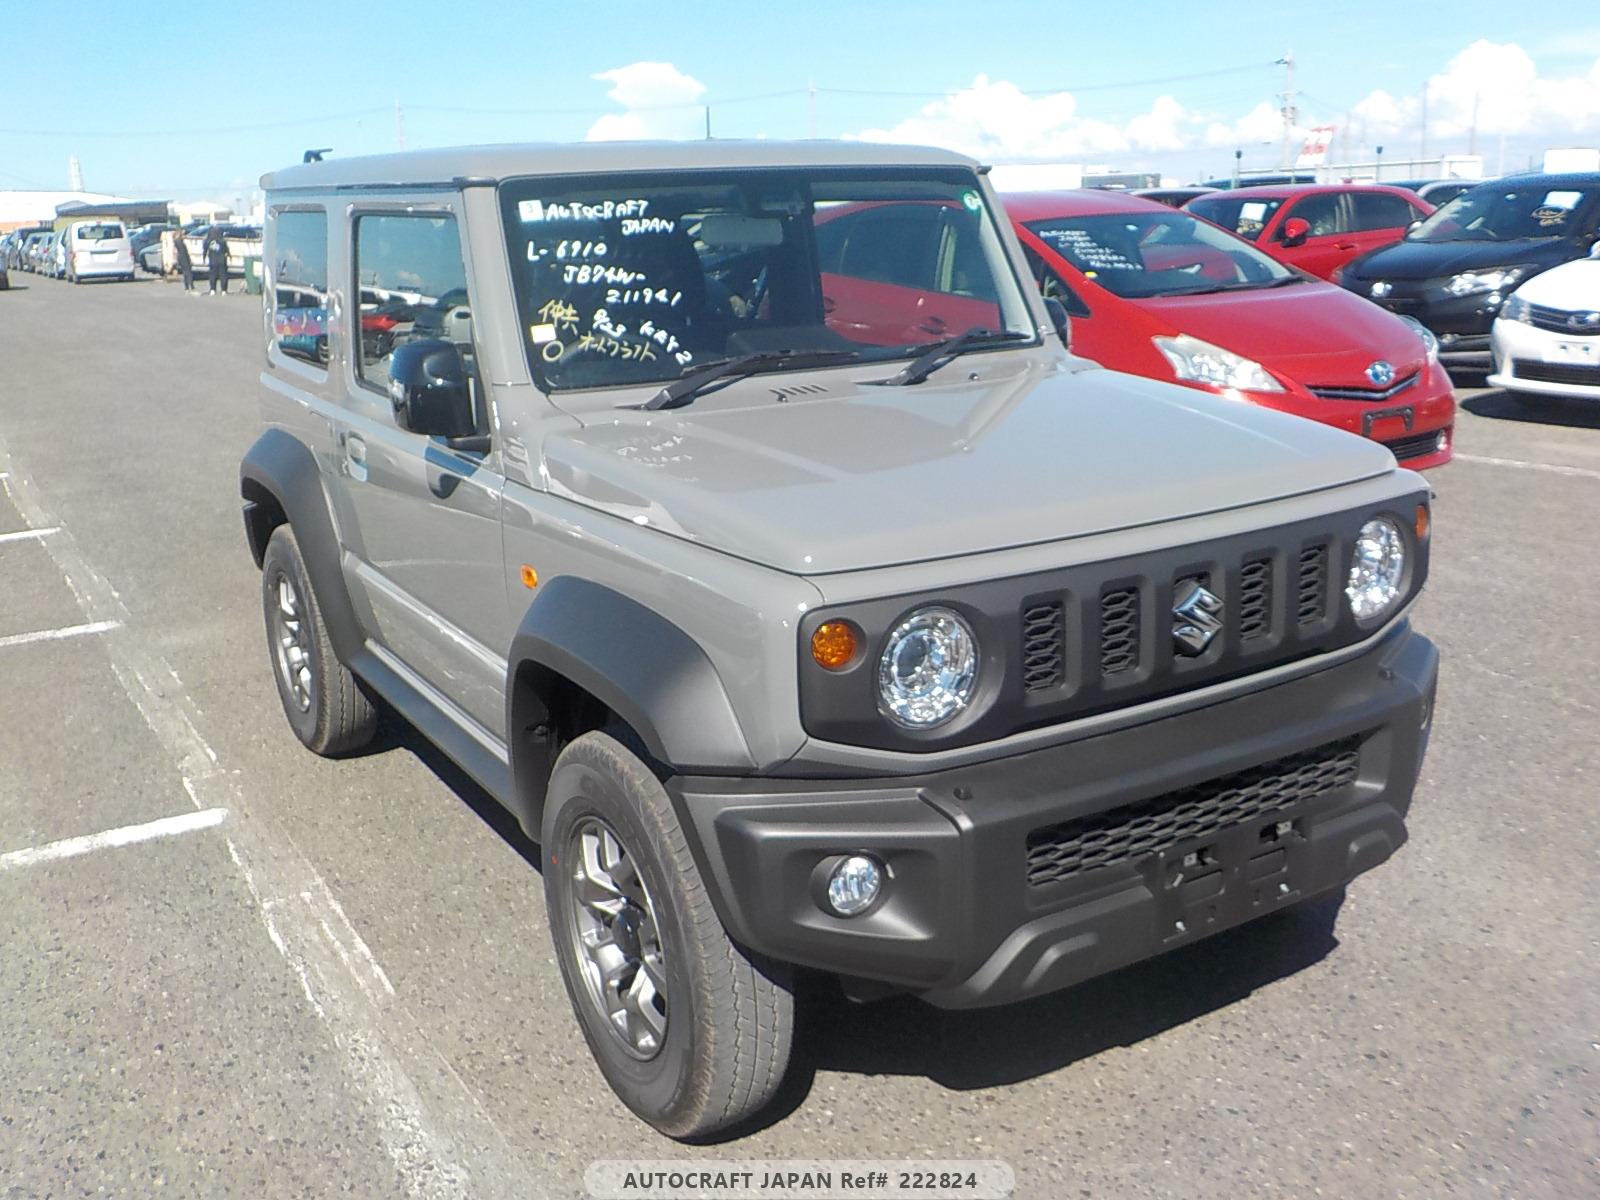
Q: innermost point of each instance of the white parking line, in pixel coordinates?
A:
(23, 535)
(1522, 465)
(56, 635)
(127, 835)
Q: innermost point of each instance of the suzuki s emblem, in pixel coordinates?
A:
(1196, 619)
(1380, 289)
(1381, 374)
(1587, 322)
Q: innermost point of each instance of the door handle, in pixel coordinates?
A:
(1344, 245)
(355, 456)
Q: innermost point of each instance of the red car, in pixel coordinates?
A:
(1163, 294)
(1316, 227)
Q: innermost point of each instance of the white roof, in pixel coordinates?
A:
(17, 205)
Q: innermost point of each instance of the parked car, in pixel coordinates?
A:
(1437, 192)
(97, 250)
(1546, 339)
(1455, 270)
(5, 274)
(16, 250)
(55, 255)
(43, 252)
(1261, 179)
(1316, 227)
(796, 630)
(147, 235)
(1169, 296)
(244, 241)
(1173, 197)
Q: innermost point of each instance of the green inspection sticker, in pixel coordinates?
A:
(971, 200)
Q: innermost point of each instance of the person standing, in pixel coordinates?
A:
(180, 254)
(216, 248)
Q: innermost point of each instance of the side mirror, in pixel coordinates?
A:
(1594, 250)
(428, 388)
(1059, 320)
(1295, 231)
(1414, 226)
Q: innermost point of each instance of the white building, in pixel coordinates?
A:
(19, 206)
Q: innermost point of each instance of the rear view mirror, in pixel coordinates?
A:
(1295, 231)
(428, 388)
(1059, 320)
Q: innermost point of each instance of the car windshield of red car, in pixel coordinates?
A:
(1146, 254)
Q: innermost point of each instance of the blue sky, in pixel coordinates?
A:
(1145, 85)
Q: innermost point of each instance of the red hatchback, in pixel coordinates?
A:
(1316, 227)
(1160, 293)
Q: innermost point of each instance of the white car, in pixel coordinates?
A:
(96, 250)
(1546, 340)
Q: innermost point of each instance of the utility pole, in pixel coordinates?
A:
(1289, 114)
(811, 109)
(1472, 135)
(1422, 151)
(708, 122)
(399, 125)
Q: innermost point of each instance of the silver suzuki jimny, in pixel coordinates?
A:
(737, 516)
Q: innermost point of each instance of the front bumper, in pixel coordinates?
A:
(1461, 323)
(1522, 352)
(1023, 875)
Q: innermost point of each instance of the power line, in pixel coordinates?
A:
(1051, 91)
(194, 132)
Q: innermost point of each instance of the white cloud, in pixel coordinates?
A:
(1263, 123)
(660, 102)
(995, 120)
(1499, 87)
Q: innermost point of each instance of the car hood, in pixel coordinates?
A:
(1574, 286)
(856, 476)
(1312, 333)
(1427, 260)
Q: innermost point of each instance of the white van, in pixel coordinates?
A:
(97, 250)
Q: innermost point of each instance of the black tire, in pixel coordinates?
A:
(724, 1051)
(324, 703)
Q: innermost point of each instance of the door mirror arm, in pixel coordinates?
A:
(477, 443)
(1059, 320)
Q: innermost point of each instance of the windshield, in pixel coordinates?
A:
(99, 233)
(1242, 215)
(1140, 255)
(1506, 211)
(637, 279)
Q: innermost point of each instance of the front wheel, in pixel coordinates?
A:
(323, 701)
(692, 1032)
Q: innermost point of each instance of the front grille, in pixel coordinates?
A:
(1372, 394)
(1414, 446)
(1403, 305)
(1555, 320)
(1043, 648)
(1311, 585)
(1255, 599)
(1119, 631)
(1135, 831)
(1543, 372)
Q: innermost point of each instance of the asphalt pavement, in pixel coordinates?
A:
(229, 968)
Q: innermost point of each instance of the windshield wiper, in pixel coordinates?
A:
(941, 352)
(1243, 285)
(682, 391)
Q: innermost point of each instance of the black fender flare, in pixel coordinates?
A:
(637, 663)
(280, 481)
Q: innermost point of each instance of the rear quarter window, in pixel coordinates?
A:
(298, 279)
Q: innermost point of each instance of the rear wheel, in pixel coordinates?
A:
(323, 701)
(692, 1032)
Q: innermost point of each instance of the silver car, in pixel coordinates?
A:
(737, 515)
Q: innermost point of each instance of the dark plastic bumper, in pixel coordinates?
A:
(960, 923)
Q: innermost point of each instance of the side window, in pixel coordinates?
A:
(895, 244)
(1379, 210)
(300, 285)
(411, 284)
(1052, 286)
(1324, 212)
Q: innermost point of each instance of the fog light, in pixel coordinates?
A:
(853, 885)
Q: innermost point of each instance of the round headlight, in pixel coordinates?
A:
(1376, 570)
(928, 669)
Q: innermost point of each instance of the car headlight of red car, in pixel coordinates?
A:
(1194, 361)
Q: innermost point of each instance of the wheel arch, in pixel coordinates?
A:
(587, 657)
(280, 483)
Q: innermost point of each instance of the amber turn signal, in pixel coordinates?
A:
(530, 577)
(834, 645)
(1423, 522)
